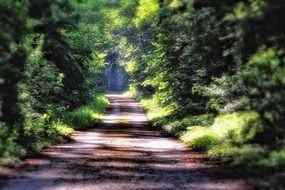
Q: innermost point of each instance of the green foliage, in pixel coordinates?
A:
(51, 65)
(10, 150)
(128, 8)
(146, 12)
(199, 138)
(238, 126)
(209, 72)
(154, 109)
(253, 157)
(12, 57)
(87, 115)
(219, 66)
(265, 77)
(133, 91)
(178, 127)
(44, 130)
(246, 156)
(174, 127)
(203, 143)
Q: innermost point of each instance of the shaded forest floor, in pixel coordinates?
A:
(122, 152)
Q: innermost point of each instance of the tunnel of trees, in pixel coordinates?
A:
(116, 78)
(211, 72)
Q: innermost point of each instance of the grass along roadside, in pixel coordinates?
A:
(227, 137)
(44, 130)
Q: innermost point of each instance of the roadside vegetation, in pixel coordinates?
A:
(51, 73)
(44, 130)
(210, 72)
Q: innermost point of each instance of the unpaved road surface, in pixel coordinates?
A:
(122, 153)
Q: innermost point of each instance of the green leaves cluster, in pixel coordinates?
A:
(50, 64)
(222, 59)
(211, 57)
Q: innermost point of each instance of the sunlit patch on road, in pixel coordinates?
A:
(124, 112)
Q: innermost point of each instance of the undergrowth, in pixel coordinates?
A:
(227, 137)
(44, 130)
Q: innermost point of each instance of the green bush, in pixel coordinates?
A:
(175, 128)
(235, 127)
(159, 121)
(199, 138)
(86, 115)
(203, 120)
(246, 155)
(240, 126)
(155, 110)
(275, 159)
(44, 130)
(204, 143)
(10, 150)
(264, 76)
(178, 127)
(158, 115)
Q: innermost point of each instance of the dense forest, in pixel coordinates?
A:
(209, 72)
(50, 73)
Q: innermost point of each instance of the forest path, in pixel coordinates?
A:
(122, 153)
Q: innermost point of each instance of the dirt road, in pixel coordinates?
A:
(123, 153)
